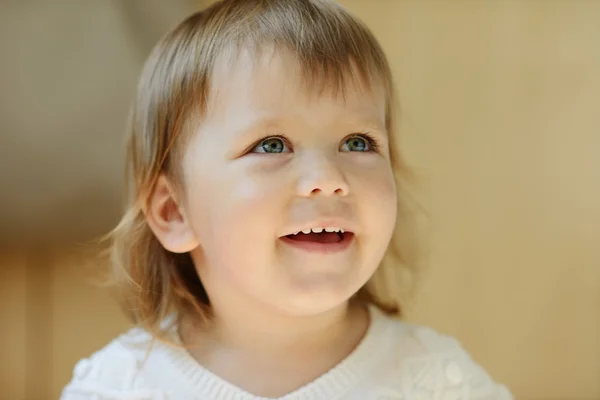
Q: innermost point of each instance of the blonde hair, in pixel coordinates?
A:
(331, 47)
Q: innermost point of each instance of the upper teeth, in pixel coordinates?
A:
(319, 230)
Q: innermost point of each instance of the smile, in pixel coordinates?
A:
(326, 240)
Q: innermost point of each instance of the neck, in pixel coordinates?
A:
(272, 353)
(271, 333)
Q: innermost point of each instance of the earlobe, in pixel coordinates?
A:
(167, 219)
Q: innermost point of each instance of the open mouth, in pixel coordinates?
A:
(326, 240)
(321, 237)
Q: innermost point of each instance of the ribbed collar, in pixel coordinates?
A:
(181, 371)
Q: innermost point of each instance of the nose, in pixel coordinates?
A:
(322, 176)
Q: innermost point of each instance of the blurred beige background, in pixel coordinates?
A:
(500, 111)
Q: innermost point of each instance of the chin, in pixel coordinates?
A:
(316, 300)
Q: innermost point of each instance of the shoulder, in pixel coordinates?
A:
(429, 364)
(114, 372)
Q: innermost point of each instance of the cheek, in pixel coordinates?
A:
(378, 202)
(233, 209)
(233, 227)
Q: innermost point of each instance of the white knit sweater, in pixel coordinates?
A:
(394, 361)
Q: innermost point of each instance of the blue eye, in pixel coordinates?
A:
(274, 145)
(358, 143)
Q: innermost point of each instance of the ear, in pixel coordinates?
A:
(167, 219)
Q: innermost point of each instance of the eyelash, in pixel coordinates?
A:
(373, 143)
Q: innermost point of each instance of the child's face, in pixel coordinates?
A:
(245, 194)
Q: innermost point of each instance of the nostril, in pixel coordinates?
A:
(338, 191)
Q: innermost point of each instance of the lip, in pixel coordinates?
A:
(321, 248)
(324, 223)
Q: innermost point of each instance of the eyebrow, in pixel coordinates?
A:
(369, 119)
(246, 131)
(260, 124)
(273, 125)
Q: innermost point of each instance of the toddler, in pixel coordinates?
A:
(262, 248)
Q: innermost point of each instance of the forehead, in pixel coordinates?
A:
(273, 81)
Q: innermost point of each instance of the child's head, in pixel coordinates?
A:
(256, 119)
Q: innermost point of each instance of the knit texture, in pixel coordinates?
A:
(394, 361)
